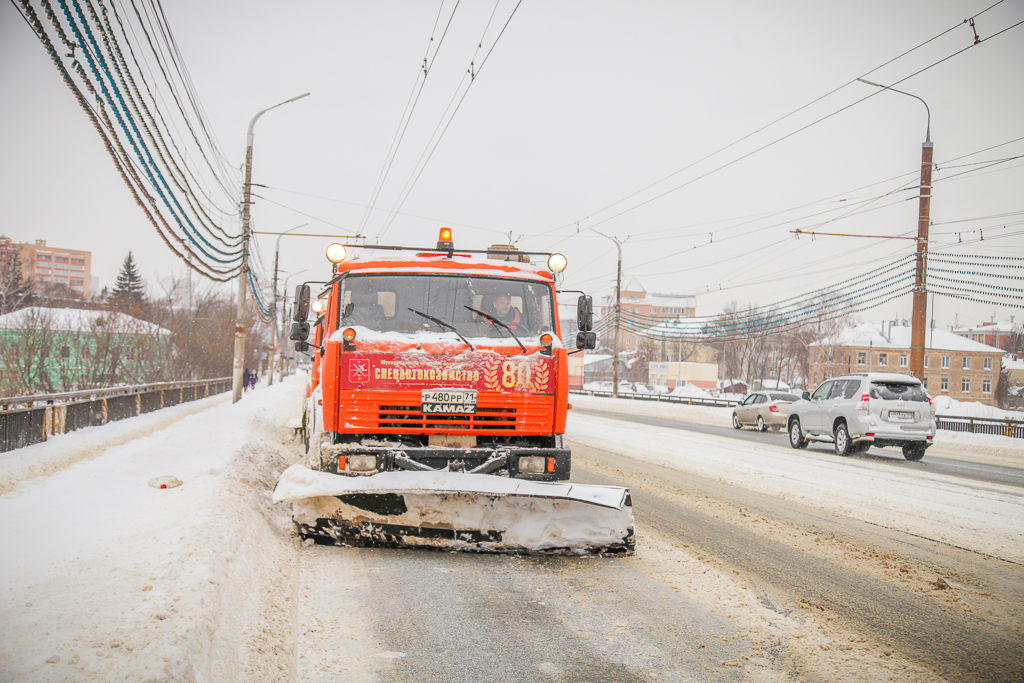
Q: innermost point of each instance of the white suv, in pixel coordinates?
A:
(858, 411)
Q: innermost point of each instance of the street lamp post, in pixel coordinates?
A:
(243, 274)
(284, 306)
(273, 328)
(618, 315)
(919, 317)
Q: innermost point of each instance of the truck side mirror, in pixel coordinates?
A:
(586, 340)
(585, 315)
(301, 310)
(300, 332)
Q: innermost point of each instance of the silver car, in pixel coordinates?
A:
(858, 411)
(763, 409)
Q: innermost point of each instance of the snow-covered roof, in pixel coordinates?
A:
(377, 261)
(634, 286)
(870, 334)
(77, 320)
(1013, 364)
(991, 328)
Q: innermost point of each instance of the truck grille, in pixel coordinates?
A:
(410, 417)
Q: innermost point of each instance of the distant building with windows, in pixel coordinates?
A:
(954, 365)
(992, 333)
(642, 311)
(53, 266)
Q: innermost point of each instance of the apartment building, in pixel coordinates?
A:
(991, 333)
(954, 366)
(46, 265)
(642, 311)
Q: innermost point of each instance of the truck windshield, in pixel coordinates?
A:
(381, 302)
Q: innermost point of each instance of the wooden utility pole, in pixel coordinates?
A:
(919, 320)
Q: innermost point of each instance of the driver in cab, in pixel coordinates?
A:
(503, 310)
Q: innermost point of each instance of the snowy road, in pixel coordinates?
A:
(755, 563)
(934, 462)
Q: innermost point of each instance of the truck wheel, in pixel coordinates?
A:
(736, 422)
(844, 446)
(761, 426)
(913, 451)
(796, 437)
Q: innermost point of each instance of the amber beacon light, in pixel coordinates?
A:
(444, 239)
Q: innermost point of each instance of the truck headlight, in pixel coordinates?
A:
(362, 463)
(531, 464)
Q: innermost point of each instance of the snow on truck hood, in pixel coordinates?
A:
(298, 482)
(365, 334)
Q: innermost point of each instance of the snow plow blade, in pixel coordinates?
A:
(458, 511)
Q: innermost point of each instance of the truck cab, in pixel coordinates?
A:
(438, 360)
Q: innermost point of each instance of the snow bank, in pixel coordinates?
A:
(109, 579)
(944, 405)
(690, 391)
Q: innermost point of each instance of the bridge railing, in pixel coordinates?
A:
(662, 398)
(26, 420)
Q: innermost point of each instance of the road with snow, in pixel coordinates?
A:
(932, 463)
(755, 562)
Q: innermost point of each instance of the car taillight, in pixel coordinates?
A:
(773, 409)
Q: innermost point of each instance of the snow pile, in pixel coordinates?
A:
(944, 405)
(690, 391)
(108, 578)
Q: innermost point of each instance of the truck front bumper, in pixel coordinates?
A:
(543, 464)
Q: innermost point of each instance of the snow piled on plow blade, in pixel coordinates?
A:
(459, 511)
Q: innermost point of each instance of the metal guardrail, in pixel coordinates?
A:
(663, 398)
(953, 423)
(981, 425)
(26, 420)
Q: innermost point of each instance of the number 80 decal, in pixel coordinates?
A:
(513, 375)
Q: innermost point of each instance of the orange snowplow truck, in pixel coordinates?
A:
(438, 360)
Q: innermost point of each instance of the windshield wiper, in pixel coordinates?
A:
(444, 325)
(498, 322)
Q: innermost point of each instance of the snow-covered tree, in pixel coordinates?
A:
(15, 290)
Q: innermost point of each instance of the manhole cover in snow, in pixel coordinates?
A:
(165, 482)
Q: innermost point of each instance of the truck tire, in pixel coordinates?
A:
(913, 451)
(796, 437)
(843, 443)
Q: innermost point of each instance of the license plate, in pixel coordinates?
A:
(901, 415)
(448, 401)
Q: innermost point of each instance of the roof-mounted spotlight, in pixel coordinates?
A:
(336, 253)
(557, 263)
(318, 307)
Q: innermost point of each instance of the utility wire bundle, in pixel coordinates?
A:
(121, 91)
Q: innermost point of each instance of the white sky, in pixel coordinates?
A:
(580, 105)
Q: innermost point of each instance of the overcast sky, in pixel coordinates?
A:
(576, 115)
